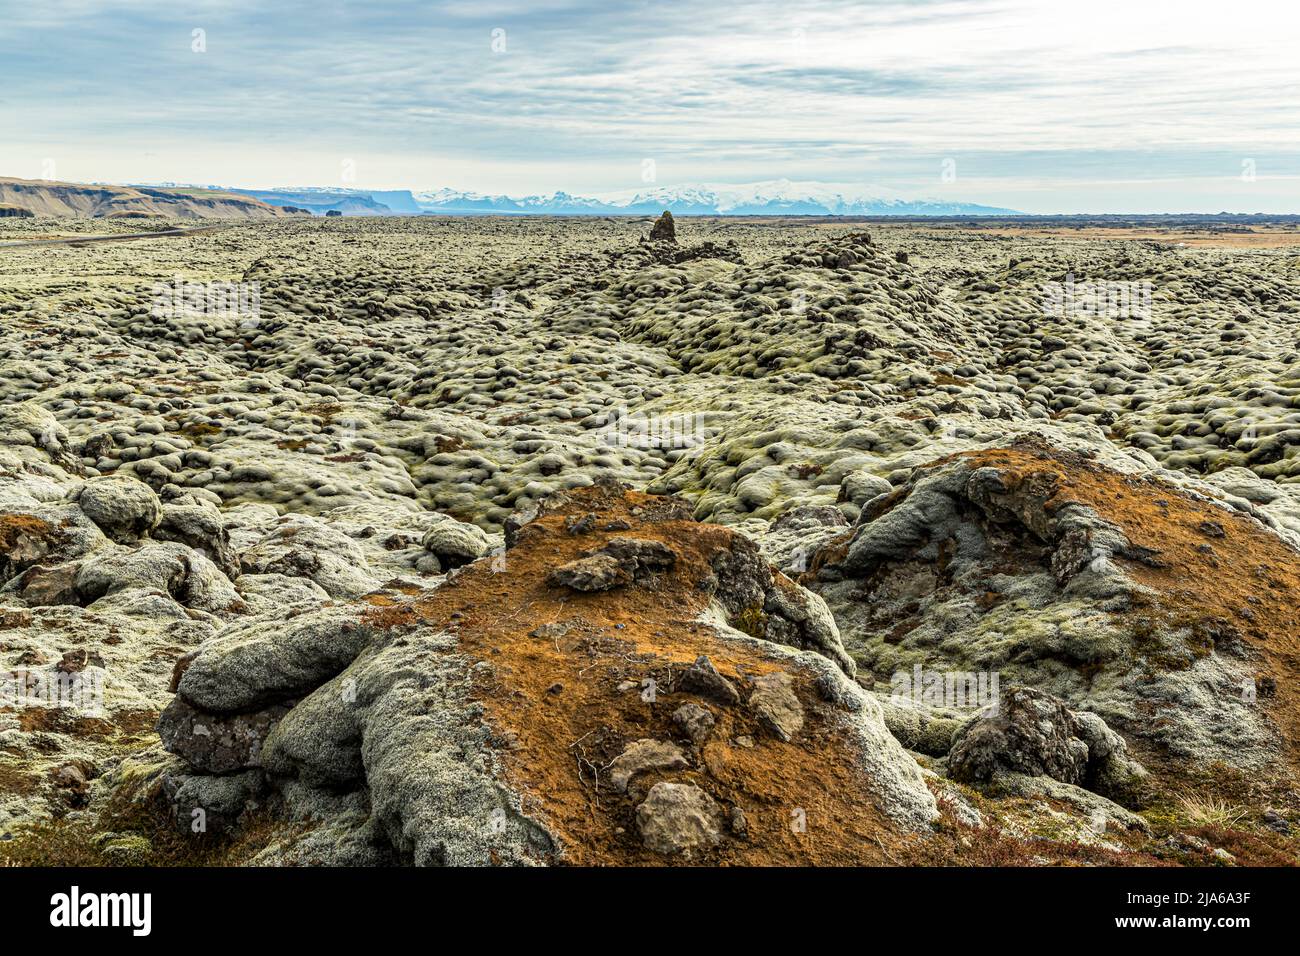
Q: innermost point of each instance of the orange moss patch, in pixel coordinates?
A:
(23, 538)
(16, 780)
(14, 526)
(553, 697)
(127, 724)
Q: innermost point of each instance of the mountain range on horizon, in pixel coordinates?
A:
(781, 197)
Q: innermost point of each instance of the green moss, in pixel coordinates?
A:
(125, 849)
(136, 828)
(752, 621)
(200, 429)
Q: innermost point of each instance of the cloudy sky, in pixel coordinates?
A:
(1039, 105)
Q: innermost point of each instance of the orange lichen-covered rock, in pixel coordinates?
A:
(1159, 609)
(507, 717)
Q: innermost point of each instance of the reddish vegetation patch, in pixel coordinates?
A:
(16, 780)
(1217, 572)
(1257, 848)
(124, 723)
(13, 527)
(447, 443)
(554, 698)
(10, 618)
(23, 538)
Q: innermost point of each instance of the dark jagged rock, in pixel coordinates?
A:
(664, 230)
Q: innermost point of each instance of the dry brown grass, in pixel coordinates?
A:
(1211, 811)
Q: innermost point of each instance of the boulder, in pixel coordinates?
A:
(679, 819)
(203, 530)
(694, 721)
(306, 547)
(124, 507)
(217, 743)
(621, 561)
(1030, 732)
(776, 705)
(597, 572)
(211, 804)
(703, 678)
(639, 556)
(455, 543)
(267, 661)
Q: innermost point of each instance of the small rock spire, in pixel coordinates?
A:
(664, 230)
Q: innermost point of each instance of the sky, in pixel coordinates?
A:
(1037, 105)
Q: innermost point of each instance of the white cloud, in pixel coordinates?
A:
(1018, 91)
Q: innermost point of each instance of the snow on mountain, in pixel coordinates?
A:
(776, 197)
(772, 197)
(727, 196)
(558, 203)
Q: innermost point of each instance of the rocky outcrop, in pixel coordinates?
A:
(105, 585)
(679, 819)
(124, 508)
(450, 711)
(620, 561)
(217, 744)
(1030, 732)
(664, 229)
(47, 198)
(1101, 588)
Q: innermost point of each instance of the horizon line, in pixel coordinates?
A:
(350, 188)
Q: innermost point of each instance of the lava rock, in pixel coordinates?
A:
(774, 702)
(126, 509)
(643, 755)
(695, 722)
(703, 678)
(217, 743)
(664, 229)
(598, 572)
(679, 819)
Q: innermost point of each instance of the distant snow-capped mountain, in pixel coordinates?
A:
(773, 197)
(451, 201)
(776, 197)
